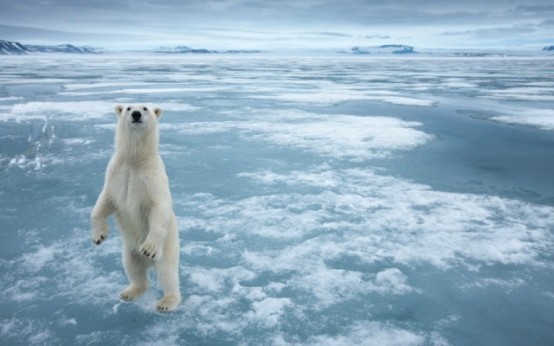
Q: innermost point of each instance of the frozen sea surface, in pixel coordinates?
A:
(321, 201)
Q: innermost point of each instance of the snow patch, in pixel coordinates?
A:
(371, 334)
(268, 311)
(68, 111)
(330, 97)
(341, 136)
(540, 94)
(540, 118)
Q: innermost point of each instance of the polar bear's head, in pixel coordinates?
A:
(137, 130)
(138, 116)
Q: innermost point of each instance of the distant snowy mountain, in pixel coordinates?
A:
(549, 48)
(184, 50)
(64, 48)
(14, 48)
(384, 49)
(9, 48)
(189, 50)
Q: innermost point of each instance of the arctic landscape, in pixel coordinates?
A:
(339, 200)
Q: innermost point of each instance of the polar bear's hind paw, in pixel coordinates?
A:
(132, 292)
(168, 303)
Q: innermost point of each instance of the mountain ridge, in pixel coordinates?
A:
(17, 48)
(383, 49)
(189, 50)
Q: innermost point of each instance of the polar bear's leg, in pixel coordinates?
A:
(168, 275)
(136, 268)
(167, 270)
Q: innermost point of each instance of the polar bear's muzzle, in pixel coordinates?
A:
(136, 117)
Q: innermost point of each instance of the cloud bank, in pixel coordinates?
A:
(267, 24)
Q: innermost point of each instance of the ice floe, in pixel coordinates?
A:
(539, 118)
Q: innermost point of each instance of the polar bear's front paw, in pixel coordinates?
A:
(99, 234)
(132, 292)
(99, 239)
(151, 250)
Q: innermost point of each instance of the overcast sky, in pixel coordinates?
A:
(263, 24)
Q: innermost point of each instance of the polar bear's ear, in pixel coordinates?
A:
(118, 109)
(158, 112)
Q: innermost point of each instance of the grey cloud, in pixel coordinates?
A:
(541, 9)
(322, 34)
(547, 23)
(400, 12)
(45, 36)
(492, 32)
(306, 11)
(377, 36)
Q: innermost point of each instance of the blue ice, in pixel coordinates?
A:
(320, 201)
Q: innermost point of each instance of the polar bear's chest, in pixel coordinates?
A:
(131, 194)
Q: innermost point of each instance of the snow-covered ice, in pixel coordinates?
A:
(321, 201)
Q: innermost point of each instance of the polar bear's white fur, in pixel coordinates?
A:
(136, 189)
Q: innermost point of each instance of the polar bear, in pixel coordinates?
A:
(136, 190)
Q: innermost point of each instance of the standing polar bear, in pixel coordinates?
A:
(136, 189)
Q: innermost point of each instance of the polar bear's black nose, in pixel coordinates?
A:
(136, 116)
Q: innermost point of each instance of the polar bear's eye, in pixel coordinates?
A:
(145, 109)
(128, 109)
